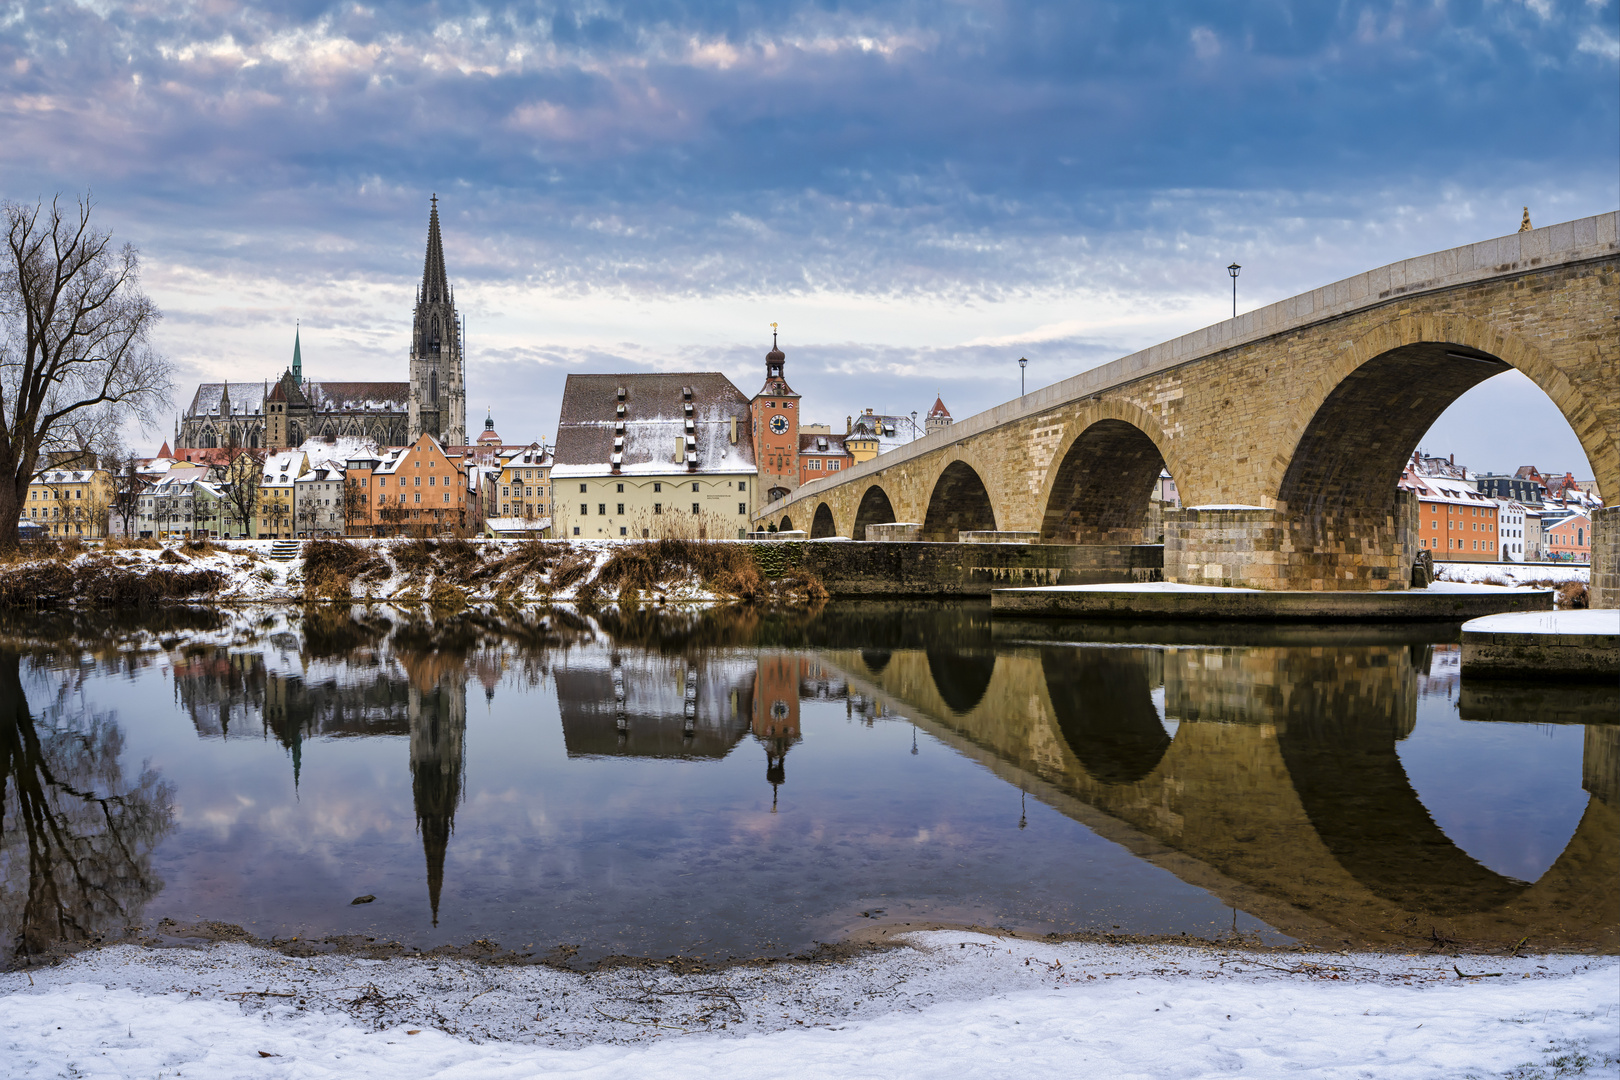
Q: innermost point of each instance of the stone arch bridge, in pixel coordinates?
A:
(1286, 428)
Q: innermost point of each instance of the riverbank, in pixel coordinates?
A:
(446, 574)
(944, 1003)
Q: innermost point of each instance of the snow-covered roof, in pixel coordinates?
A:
(891, 432)
(334, 452)
(651, 425)
(245, 397)
(283, 467)
(66, 476)
(1445, 489)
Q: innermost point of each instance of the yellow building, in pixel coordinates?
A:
(71, 502)
(525, 483)
(276, 504)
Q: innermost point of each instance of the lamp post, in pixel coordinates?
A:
(1022, 364)
(1233, 270)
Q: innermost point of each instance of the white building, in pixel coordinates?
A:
(1510, 538)
(639, 456)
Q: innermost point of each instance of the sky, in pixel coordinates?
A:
(917, 193)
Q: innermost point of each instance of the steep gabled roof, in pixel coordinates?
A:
(654, 420)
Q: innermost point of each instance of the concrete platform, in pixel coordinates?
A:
(1559, 645)
(1167, 600)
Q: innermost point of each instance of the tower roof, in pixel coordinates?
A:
(435, 285)
(298, 355)
(939, 409)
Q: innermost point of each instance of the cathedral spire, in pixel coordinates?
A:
(435, 285)
(298, 356)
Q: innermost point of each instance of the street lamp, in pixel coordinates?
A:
(1022, 364)
(1233, 270)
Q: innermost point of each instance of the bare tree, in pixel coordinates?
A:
(237, 470)
(75, 356)
(356, 507)
(126, 492)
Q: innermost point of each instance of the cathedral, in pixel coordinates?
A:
(290, 409)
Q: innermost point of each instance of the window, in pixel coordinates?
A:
(418, 481)
(833, 466)
(695, 509)
(623, 531)
(583, 509)
(447, 496)
(694, 485)
(582, 489)
(742, 508)
(742, 485)
(418, 497)
(813, 464)
(576, 530)
(658, 508)
(657, 486)
(621, 489)
(430, 480)
(506, 492)
(601, 509)
(620, 511)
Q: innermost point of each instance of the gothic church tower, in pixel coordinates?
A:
(438, 403)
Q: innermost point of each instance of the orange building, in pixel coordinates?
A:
(1570, 540)
(416, 490)
(1455, 522)
(821, 453)
(776, 429)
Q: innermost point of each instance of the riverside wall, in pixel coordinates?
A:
(930, 570)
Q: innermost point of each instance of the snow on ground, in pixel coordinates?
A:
(1478, 587)
(1511, 573)
(1135, 587)
(951, 1004)
(1584, 621)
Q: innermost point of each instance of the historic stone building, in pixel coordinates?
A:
(290, 409)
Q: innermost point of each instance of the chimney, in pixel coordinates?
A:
(733, 431)
(1452, 458)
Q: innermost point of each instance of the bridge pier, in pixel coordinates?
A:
(1258, 548)
(1604, 590)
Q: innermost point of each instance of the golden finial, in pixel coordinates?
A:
(1525, 226)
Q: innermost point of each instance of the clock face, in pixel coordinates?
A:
(779, 424)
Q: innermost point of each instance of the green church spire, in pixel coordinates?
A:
(298, 358)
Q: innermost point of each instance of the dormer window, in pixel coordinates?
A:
(621, 393)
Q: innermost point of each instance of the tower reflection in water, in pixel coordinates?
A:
(1269, 774)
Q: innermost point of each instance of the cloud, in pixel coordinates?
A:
(928, 186)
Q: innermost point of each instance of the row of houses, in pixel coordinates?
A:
(1525, 518)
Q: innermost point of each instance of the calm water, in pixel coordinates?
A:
(725, 784)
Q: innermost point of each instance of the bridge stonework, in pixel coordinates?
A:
(1285, 429)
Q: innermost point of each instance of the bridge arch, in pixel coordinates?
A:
(1102, 700)
(1100, 484)
(822, 525)
(875, 509)
(1351, 433)
(786, 525)
(959, 502)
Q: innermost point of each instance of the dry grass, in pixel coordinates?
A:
(726, 570)
(332, 566)
(99, 582)
(1572, 594)
(415, 557)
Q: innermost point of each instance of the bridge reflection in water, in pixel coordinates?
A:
(1269, 776)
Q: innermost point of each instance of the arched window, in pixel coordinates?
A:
(433, 387)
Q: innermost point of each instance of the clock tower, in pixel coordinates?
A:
(776, 428)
